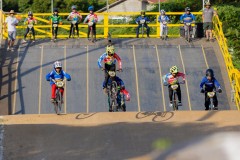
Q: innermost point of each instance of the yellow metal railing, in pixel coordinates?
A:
(233, 73)
(1, 26)
(44, 30)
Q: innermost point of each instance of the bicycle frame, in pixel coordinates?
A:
(90, 24)
(211, 95)
(73, 28)
(30, 26)
(58, 100)
(175, 104)
(164, 35)
(189, 27)
(54, 29)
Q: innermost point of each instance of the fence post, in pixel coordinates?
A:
(105, 25)
(1, 27)
(158, 26)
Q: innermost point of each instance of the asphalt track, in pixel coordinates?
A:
(143, 68)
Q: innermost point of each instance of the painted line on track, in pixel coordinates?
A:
(204, 55)
(16, 82)
(160, 73)
(136, 75)
(189, 101)
(87, 87)
(65, 87)
(40, 83)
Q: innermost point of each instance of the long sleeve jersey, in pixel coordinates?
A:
(163, 18)
(30, 21)
(55, 19)
(170, 79)
(56, 76)
(209, 84)
(109, 60)
(74, 16)
(187, 18)
(142, 18)
(91, 18)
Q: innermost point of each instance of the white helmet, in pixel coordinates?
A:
(57, 64)
(162, 11)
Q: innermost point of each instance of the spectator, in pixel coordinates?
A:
(207, 17)
(142, 21)
(11, 22)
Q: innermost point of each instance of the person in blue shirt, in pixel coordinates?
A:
(57, 74)
(163, 19)
(208, 84)
(122, 94)
(142, 20)
(188, 17)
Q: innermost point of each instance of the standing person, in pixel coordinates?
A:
(92, 17)
(142, 20)
(55, 19)
(207, 17)
(11, 22)
(30, 21)
(163, 19)
(75, 17)
(208, 84)
(188, 17)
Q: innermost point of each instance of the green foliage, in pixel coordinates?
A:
(230, 15)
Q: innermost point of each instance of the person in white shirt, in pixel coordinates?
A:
(11, 23)
(163, 19)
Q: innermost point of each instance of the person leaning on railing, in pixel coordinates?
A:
(207, 17)
(142, 20)
(30, 21)
(55, 19)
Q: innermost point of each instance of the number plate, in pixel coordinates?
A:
(90, 24)
(30, 26)
(174, 87)
(55, 25)
(60, 84)
(74, 22)
(211, 94)
(142, 21)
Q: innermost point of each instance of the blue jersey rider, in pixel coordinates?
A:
(57, 74)
(188, 17)
(209, 84)
(122, 94)
(142, 20)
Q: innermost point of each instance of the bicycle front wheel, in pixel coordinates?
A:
(58, 105)
(175, 105)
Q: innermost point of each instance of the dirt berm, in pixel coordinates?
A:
(103, 136)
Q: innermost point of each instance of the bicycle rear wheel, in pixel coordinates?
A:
(188, 36)
(91, 34)
(175, 105)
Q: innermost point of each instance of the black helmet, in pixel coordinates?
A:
(55, 10)
(187, 9)
(210, 73)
